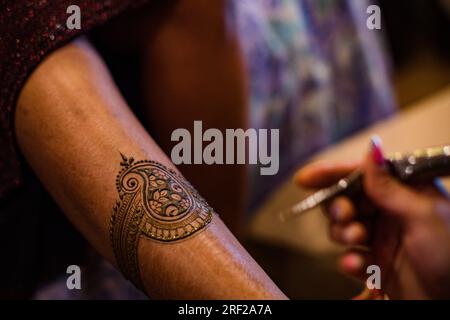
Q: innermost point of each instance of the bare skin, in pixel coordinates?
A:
(191, 66)
(71, 123)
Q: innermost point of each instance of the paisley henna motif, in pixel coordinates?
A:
(154, 202)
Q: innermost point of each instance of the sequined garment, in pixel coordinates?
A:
(30, 30)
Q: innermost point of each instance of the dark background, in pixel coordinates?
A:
(418, 37)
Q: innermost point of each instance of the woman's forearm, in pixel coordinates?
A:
(78, 133)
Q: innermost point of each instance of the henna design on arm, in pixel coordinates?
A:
(154, 202)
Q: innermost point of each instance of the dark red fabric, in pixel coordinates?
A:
(30, 30)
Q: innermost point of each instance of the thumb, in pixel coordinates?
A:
(387, 192)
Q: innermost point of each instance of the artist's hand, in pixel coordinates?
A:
(406, 230)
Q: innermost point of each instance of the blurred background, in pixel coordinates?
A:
(417, 34)
(298, 256)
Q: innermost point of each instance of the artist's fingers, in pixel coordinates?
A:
(370, 294)
(352, 234)
(341, 210)
(323, 174)
(388, 193)
(354, 262)
(435, 189)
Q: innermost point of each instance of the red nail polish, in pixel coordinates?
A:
(377, 152)
(335, 212)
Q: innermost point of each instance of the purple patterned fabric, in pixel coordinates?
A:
(317, 73)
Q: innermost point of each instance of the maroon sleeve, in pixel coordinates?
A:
(30, 30)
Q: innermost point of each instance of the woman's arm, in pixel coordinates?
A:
(73, 125)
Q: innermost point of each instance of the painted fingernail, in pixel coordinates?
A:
(355, 234)
(336, 212)
(352, 262)
(350, 235)
(377, 152)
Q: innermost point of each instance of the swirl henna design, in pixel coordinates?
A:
(154, 202)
